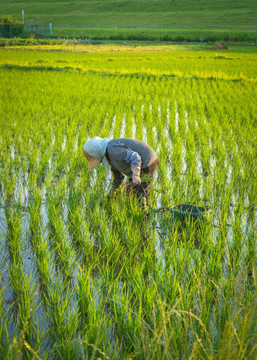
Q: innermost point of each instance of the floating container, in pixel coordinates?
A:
(184, 211)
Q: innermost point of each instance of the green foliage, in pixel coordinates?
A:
(9, 19)
(158, 34)
(87, 276)
(11, 26)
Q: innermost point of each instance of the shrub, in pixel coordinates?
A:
(220, 45)
(11, 26)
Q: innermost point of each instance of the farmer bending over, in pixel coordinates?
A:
(130, 157)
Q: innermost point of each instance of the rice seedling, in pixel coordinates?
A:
(88, 276)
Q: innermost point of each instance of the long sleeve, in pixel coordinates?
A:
(133, 158)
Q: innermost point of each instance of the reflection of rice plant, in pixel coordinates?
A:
(22, 284)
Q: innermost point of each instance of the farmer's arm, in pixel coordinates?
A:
(123, 154)
(134, 159)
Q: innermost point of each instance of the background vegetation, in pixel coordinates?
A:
(166, 13)
(10, 27)
(109, 19)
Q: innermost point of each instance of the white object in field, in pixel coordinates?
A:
(51, 29)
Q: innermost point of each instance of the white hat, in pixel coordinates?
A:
(94, 150)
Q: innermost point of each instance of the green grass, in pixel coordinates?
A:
(112, 19)
(183, 13)
(84, 276)
(174, 35)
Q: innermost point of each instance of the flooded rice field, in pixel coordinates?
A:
(85, 275)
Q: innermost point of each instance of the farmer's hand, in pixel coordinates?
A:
(136, 175)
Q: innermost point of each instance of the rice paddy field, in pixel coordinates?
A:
(85, 276)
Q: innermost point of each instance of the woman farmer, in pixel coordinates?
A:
(130, 157)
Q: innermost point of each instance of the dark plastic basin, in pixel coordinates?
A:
(183, 211)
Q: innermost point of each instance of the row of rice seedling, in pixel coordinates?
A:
(163, 61)
(177, 153)
(101, 281)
